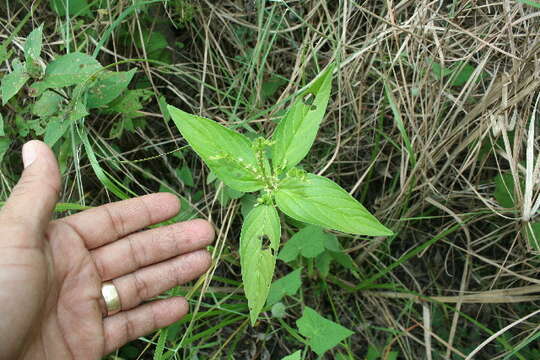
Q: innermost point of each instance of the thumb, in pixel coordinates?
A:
(32, 200)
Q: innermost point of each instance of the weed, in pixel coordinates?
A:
(245, 167)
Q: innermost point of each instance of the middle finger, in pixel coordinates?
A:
(142, 249)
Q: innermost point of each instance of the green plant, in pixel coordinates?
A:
(246, 166)
(63, 92)
(322, 333)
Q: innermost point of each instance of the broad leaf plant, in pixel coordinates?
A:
(244, 166)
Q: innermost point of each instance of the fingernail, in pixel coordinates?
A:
(29, 153)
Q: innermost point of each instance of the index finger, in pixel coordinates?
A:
(108, 223)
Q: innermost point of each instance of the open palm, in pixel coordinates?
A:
(51, 272)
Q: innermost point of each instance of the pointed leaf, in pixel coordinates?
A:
(227, 153)
(294, 356)
(32, 46)
(533, 235)
(505, 192)
(323, 262)
(309, 242)
(108, 87)
(259, 241)
(47, 104)
(4, 146)
(2, 132)
(184, 174)
(322, 333)
(12, 83)
(319, 201)
(56, 128)
(130, 103)
(331, 243)
(287, 285)
(296, 132)
(71, 69)
(461, 74)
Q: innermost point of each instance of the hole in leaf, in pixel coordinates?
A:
(265, 243)
(308, 100)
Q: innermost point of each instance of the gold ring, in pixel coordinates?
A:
(111, 297)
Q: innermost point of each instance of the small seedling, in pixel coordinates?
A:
(246, 166)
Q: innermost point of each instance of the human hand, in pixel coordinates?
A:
(51, 272)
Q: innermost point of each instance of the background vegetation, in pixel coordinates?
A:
(431, 125)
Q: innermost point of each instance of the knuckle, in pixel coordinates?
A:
(168, 243)
(136, 253)
(29, 182)
(12, 224)
(100, 267)
(147, 212)
(154, 317)
(141, 287)
(129, 328)
(115, 220)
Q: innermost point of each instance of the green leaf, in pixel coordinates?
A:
(271, 86)
(322, 333)
(12, 83)
(71, 69)
(155, 45)
(505, 192)
(227, 153)
(373, 353)
(323, 262)
(438, 71)
(336, 252)
(294, 356)
(108, 87)
(4, 55)
(259, 241)
(2, 132)
(319, 201)
(4, 146)
(225, 193)
(32, 46)
(71, 7)
(233, 194)
(533, 235)
(461, 74)
(162, 102)
(331, 243)
(287, 285)
(130, 103)
(278, 310)
(533, 3)
(247, 203)
(296, 133)
(47, 104)
(309, 242)
(343, 259)
(56, 128)
(184, 174)
(77, 110)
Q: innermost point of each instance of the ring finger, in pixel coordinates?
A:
(145, 248)
(149, 282)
